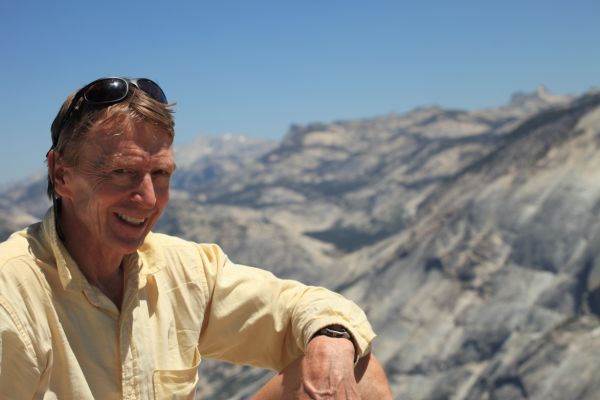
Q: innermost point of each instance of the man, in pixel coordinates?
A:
(94, 305)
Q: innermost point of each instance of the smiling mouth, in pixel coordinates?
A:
(131, 220)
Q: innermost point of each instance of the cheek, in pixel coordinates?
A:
(82, 195)
(99, 199)
(92, 188)
(161, 190)
(162, 197)
(90, 205)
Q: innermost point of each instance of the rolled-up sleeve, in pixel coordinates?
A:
(257, 319)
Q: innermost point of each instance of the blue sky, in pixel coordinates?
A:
(255, 67)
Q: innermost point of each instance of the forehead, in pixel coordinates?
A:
(126, 138)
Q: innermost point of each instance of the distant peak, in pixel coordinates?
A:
(541, 90)
(541, 95)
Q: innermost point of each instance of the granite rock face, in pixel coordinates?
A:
(470, 238)
(495, 284)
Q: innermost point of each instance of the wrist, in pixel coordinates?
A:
(340, 335)
(327, 348)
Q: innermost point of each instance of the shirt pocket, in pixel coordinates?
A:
(176, 383)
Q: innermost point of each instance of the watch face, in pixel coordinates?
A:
(336, 332)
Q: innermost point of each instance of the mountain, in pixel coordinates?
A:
(493, 288)
(22, 204)
(468, 237)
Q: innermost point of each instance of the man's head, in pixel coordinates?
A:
(110, 165)
(100, 102)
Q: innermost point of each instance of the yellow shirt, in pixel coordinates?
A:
(61, 338)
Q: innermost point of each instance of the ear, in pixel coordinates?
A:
(57, 171)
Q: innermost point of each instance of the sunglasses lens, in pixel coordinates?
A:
(152, 89)
(109, 90)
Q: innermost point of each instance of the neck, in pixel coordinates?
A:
(103, 269)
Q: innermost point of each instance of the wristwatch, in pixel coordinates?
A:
(338, 331)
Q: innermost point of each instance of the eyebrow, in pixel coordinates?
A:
(116, 161)
(171, 166)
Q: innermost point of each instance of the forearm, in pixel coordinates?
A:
(249, 303)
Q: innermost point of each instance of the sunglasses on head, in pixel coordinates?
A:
(107, 91)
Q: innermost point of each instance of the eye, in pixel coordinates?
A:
(161, 172)
(121, 171)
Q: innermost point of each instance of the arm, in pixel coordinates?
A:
(255, 318)
(19, 373)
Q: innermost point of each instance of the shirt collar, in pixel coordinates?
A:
(148, 259)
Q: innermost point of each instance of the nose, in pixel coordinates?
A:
(144, 194)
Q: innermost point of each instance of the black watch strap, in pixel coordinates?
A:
(335, 331)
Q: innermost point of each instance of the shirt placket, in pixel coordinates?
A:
(128, 353)
(130, 368)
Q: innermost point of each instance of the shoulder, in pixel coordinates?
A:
(15, 246)
(19, 257)
(181, 260)
(171, 247)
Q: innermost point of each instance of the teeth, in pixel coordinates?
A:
(131, 220)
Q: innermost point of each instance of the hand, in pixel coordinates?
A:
(327, 370)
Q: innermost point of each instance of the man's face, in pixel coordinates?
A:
(119, 188)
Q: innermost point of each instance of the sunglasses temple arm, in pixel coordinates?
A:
(66, 116)
(56, 204)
